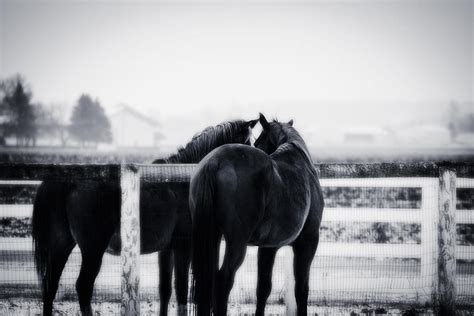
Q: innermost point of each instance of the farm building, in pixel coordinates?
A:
(365, 135)
(131, 128)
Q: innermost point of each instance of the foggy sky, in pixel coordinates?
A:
(236, 58)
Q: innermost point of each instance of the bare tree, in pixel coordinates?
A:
(53, 122)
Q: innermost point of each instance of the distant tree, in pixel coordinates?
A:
(19, 114)
(89, 124)
(52, 122)
(453, 118)
(460, 121)
(467, 123)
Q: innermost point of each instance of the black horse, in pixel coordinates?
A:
(87, 213)
(267, 196)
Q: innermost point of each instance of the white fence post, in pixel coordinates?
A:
(447, 242)
(290, 300)
(429, 241)
(130, 235)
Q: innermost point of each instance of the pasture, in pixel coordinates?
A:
(372, 257)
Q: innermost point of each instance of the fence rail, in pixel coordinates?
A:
(437, 215)
(182, 172)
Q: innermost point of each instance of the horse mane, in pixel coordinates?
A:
(204, 142)
(293, 140)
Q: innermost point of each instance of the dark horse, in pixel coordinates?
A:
(87, 213)
(267, 196)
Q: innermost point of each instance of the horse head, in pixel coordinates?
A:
(273, 134)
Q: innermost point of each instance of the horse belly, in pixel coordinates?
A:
(157, 229)
(274, 235)
(115, 244)
(151, 241)
(282, 225)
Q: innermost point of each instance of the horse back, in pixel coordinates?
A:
(268, 199)
(239, 177)
(288, 205)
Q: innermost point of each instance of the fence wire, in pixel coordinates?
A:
(18, 277)
(464, 240)
(359, 260)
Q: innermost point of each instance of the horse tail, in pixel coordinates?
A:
(205, 238)
(45, 208)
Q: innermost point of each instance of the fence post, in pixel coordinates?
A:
(130, 235)
(446, 304)
(429, 240)
(290, 300)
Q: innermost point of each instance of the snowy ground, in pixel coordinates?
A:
(333, 280)
(33, 307)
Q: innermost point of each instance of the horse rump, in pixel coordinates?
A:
(49, 209)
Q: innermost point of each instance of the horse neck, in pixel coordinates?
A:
(182, 156)
(295, 142)
(290, 152)
(178, 158)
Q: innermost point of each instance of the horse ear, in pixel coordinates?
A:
(290, 123)
(252, 123)
(263, 121)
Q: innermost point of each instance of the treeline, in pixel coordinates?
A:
(25, 121)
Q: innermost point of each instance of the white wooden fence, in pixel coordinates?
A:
(437, 216)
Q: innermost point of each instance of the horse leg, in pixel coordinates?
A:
(60, 251)
(266, 259)
(182, 259)
(93, 211)
(165, 258)
(304, 251)
(90, 267)
(233, 258)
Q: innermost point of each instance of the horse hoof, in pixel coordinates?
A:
(87, 311)
(182, 310)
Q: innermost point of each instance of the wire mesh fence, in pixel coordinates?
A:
(377, 244)
(465, 240)
(18, 277)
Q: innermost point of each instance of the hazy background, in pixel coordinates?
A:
(352, 74)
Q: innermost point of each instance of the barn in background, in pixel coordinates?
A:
(132, 129)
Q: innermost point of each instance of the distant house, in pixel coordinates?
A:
(131, 128)
(365, 135)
